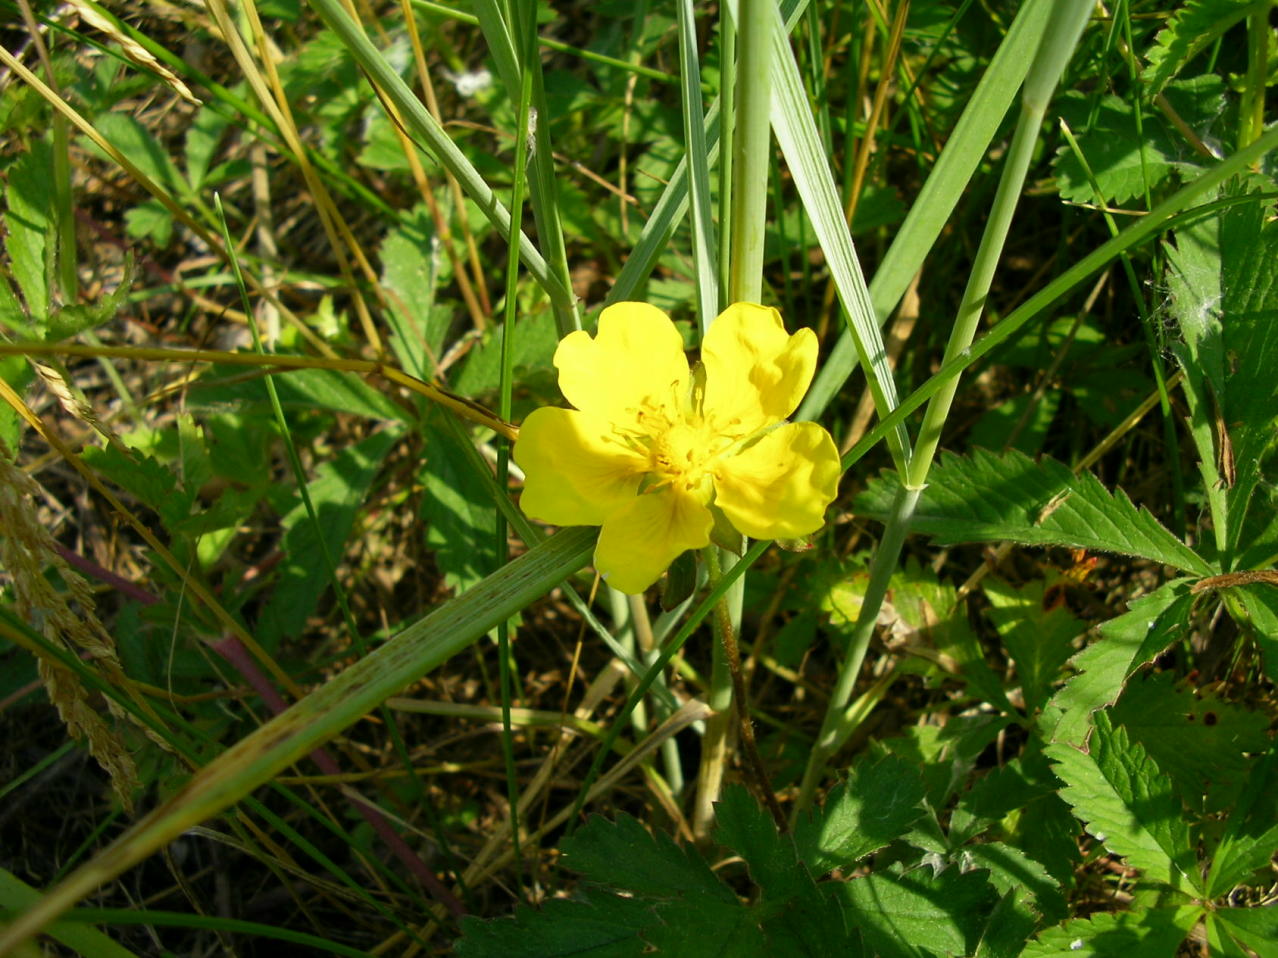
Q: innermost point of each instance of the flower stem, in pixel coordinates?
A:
(727, 635)
(1068, 20)
(751, 148)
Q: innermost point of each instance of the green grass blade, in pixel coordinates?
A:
(673, 205)
(16, 896)
(940, 194)
(704, 248)
(800, 141)
(431, 136)
(320, 716)
(541, 182)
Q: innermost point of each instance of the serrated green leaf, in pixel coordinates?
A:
(1126, 643)
(28, 223)
(146, 478)
(1225, 302)
(796, 917)
(1191, 29)
(68, 321)
(132, 138)
(1040, 639)
(1257, 928)
(1156, 933)
(600, 926)
(1011, 870)
(989, 496)
(337, 492)
(623, 854)
(1124, 162)
(919, 914)
(1127, 804)
(875, 805)
(1010, 925)
(1251, 832)
(1198, 739)
(1262, 606)
(17, 373)
(413, 266)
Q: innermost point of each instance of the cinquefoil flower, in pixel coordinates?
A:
(654, 451)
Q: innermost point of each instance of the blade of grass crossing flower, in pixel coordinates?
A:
(1055, 49)
(431, 136)
(934, 203)
(805, 156)
(318, 717)
(704, 254)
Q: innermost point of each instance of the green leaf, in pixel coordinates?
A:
(413, 266)
(28, 224)
(796, 917)
(1251, 832)
(1127, 804)
(1197, 738)
(1039, 636)
(691, 910)
(1125, 162)
(68, 321)
(132, 138)
(1257, 928)
(597, 926)
(337, 492)
(459, 517)
(1262, 607)
(1010, 924)
(1156, 933)
(535, 340)
(623, 854)
(1010, 869)
(989, 496)
(875, 805)
(1126, 643)
(1225, 300)
(919, 914)
(18, 374)
(1196, 25)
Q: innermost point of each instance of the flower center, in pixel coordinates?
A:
(684, 455)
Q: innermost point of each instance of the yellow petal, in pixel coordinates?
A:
(779, 487)
(575, 472)
(756, 373)
(639, 542)
(634, 364)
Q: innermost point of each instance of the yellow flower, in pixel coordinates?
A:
(653, 450)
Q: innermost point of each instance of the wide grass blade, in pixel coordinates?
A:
(318, 717)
